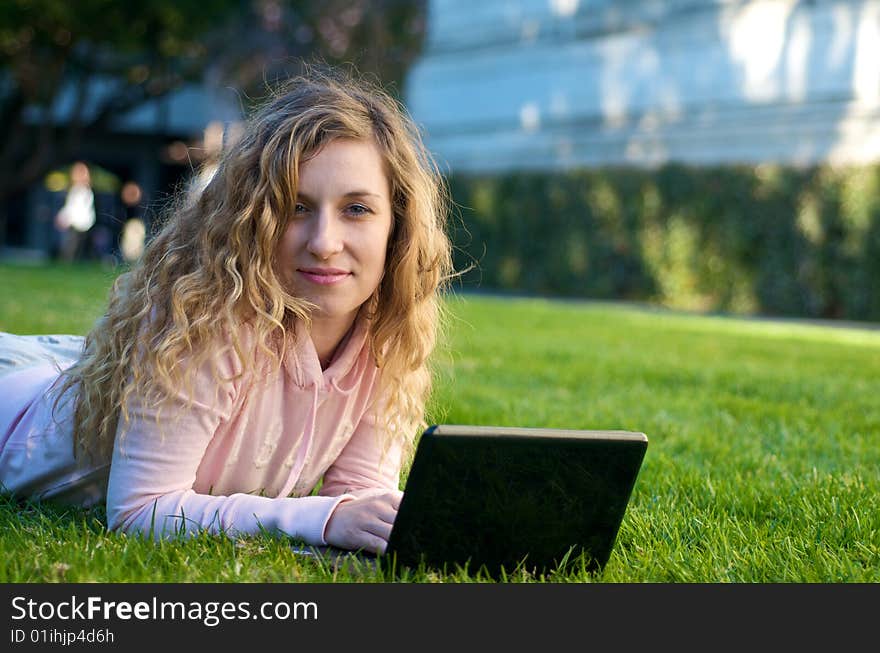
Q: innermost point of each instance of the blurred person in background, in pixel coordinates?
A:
(77, 217)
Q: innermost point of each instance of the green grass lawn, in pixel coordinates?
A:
(763, 463)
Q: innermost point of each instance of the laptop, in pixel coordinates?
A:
(500, 499)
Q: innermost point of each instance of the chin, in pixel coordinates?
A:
(323, 311)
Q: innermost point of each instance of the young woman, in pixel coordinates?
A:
(265, 365)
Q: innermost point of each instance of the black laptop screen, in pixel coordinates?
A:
(502, 500)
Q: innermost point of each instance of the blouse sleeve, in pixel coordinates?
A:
(154, 465)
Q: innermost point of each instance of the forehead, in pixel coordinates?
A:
(343, 164)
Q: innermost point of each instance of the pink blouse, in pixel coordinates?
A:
(243, 456)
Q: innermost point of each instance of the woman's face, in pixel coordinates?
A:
(333, 249)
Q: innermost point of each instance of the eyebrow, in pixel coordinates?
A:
(351, 193)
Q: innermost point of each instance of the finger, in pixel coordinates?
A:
(379, 529)
(397, 497)
(371, 542)
(386, 514)
(392, 498)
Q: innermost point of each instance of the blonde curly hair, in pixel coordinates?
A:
(211, 268)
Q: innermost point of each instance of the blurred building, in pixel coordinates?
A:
(515, 84)
(149, 153)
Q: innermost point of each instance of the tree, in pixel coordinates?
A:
(103, 58)
(381, 37)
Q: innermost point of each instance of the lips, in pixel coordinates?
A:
(324, 276)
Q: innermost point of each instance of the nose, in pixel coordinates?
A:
(325, 236)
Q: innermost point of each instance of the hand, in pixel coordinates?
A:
(364, 522)
(373, 491)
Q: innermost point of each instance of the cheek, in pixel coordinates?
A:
(287, 244)
(383, 250)
(372, 245)
(285, 252)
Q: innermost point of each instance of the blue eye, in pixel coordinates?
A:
(359, 209)
(299, 208)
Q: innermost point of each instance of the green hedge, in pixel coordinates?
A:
(768, 239)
